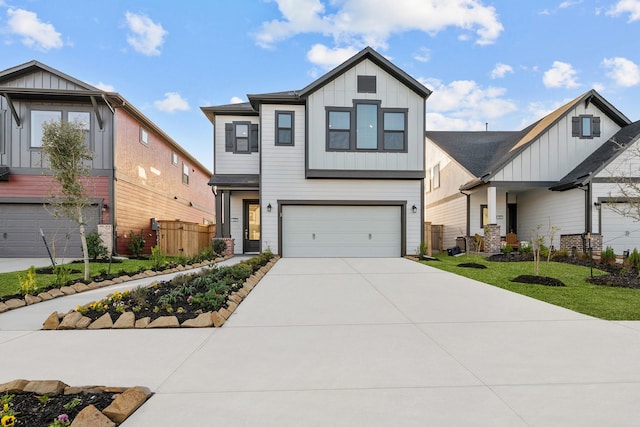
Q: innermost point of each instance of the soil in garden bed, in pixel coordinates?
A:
(32, 413)
(472, 265)
(623, 279)
(538, 280)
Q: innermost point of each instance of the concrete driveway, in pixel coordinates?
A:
(360, 342)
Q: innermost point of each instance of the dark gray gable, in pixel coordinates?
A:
(46, 78)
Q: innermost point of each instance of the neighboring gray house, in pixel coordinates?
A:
(556, 172)
(334, 169)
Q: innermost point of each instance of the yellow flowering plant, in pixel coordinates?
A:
(7, 414)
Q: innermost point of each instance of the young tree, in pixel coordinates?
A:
(63, 145)
(624, 173)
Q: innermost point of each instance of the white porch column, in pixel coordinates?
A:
(491, 205)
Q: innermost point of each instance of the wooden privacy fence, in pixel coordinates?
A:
(184, 238)
(434, 237)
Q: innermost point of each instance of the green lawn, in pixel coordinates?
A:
(598, 301)
(9, 281)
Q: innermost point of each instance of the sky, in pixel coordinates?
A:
(501, 64)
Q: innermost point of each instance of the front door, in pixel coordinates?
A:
(512, 218)
(251, 226)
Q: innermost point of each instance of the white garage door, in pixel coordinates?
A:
(20, 226)
(619, 232)
(341, 231)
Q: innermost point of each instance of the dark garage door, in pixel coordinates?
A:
(20, 232)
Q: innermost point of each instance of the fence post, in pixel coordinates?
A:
(427, 236)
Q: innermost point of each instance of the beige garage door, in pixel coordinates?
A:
(341, 231)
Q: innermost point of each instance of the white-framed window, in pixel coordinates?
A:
(436, 176)
(174, 158)
(144, 136)
(585, 126)
(39, 118)
(185, 173)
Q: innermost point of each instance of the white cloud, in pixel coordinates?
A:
(622, 71)
(561, 75)
(146, 36)
(569, 3)
(363, 22)
(328, 58)
(464, 105)
(236, 100)
(105, 87)
(35, 33)
(501, 70)
(422, 55)
(632, 7)
(172, 102)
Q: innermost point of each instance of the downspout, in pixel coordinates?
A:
(588, 215)
(112, 183)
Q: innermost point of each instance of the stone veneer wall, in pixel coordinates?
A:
(492, 239)
(568, 241)
(230, 245)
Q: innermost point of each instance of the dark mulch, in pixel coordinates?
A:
(511, 257)
(538, 280)
(32, 413)
(623, 279)
(472, 265)
(49, 270)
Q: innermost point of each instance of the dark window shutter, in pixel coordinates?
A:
(595, 127)
(575, 126)
(228, 137)
(253, 139)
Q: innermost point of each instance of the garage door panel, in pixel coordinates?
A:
(341, 231)
(619, 232)
(20, 226)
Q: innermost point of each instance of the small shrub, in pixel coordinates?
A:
(138, 295)
(62, 275)
(422, 250)
(181, 259)
(95, 247)
(525, 248)
(28, 284)
(136, 244)
(608, 256)
(157, 258)
(219, 246)
(506, 249)
(560, 253)
(634, 259)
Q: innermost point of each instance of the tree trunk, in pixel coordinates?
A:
(83, 240)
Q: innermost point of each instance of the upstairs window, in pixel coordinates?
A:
(436, 176)
(585, 126)
(375, 128)
(367, 126)
(241, 137)
(284, 127)
(395, 131)
(174, 158)
(339, 132)
(185, 173)
(38, 118)
(82, 118)
(144, 136)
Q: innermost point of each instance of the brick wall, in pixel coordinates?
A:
(569, 241)
(492, 239)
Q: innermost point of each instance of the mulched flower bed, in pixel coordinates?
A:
(538, 280)
(33, 413)
(185, 296)
(472, 265)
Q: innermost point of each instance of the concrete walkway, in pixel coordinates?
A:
(359, 342)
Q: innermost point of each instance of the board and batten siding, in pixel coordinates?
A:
(42, 79)
(564, 210)
(16, 151)
(341, 92)
(556, 152)
(229, 163)
(283, 178)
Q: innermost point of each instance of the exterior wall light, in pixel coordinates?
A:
(269, 207)
(414, 209)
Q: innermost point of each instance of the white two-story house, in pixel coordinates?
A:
(335, 169)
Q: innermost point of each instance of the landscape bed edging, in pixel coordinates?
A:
(74, 320)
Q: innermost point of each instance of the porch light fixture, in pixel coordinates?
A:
(414, 209)
(269, 207)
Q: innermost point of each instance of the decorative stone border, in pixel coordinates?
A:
(127, 399)
(127, 320)
(78, 287)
